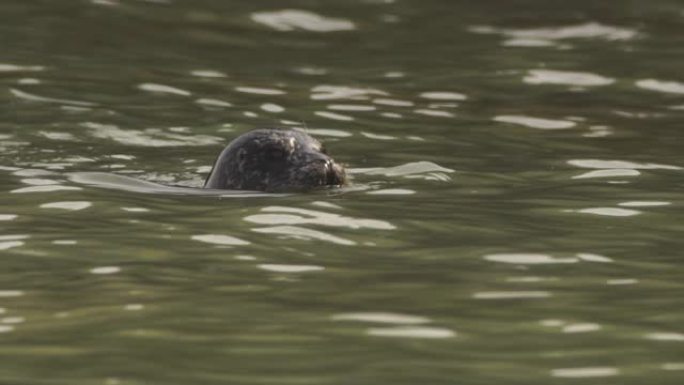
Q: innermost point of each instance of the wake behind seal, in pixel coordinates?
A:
(274, 160)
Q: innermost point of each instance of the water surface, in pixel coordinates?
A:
(515, 216)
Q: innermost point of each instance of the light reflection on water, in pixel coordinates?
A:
(516, 172)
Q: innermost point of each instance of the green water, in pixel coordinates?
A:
(515, 218)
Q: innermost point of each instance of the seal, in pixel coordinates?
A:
(274, 160)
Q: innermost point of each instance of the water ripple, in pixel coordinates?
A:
(62, 136)
(644, 204)
(329, 132)
(334, 116)
(285, 216)
(293, 19)
(673, 366)
(10, 244)
(67, 205)
(290, 268)
(393, 102)
(621, 164)
(661, 86)
(532, 122)
(672, 337)
(391, 318)
(105, 270)
(435, 113)
(512, 295)
(260, 91)
(584, 79)
(6, 67)
(163, 89)
(149, 137)
(527, 259)
(443, 95)
(212, 102)
(328, 92)
(608, 173)
(351, 107)
(413, 169)
(392, 191)
(589, 257)
(371, 135)
(44, 188)
(609, 211)
(412, 332)
(208, 74)
(581, 328)
(273, 108)
(302, 233)
(218, 239)
(587, 372)
(11, 293)
(36, 98)
(545, 37)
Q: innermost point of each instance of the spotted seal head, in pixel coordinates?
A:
(274, 160)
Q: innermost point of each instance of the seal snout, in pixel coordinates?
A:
(324, 171)
(334, 174)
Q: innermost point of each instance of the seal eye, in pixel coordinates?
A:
(324, 150)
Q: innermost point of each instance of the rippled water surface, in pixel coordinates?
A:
(515, 216)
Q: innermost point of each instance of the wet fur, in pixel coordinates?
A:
(274, 160)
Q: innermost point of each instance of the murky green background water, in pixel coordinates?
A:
(518, 221)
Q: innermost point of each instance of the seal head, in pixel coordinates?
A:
(274, 160)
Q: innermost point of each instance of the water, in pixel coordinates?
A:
(515, 216)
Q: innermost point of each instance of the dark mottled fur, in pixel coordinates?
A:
(274, 160)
